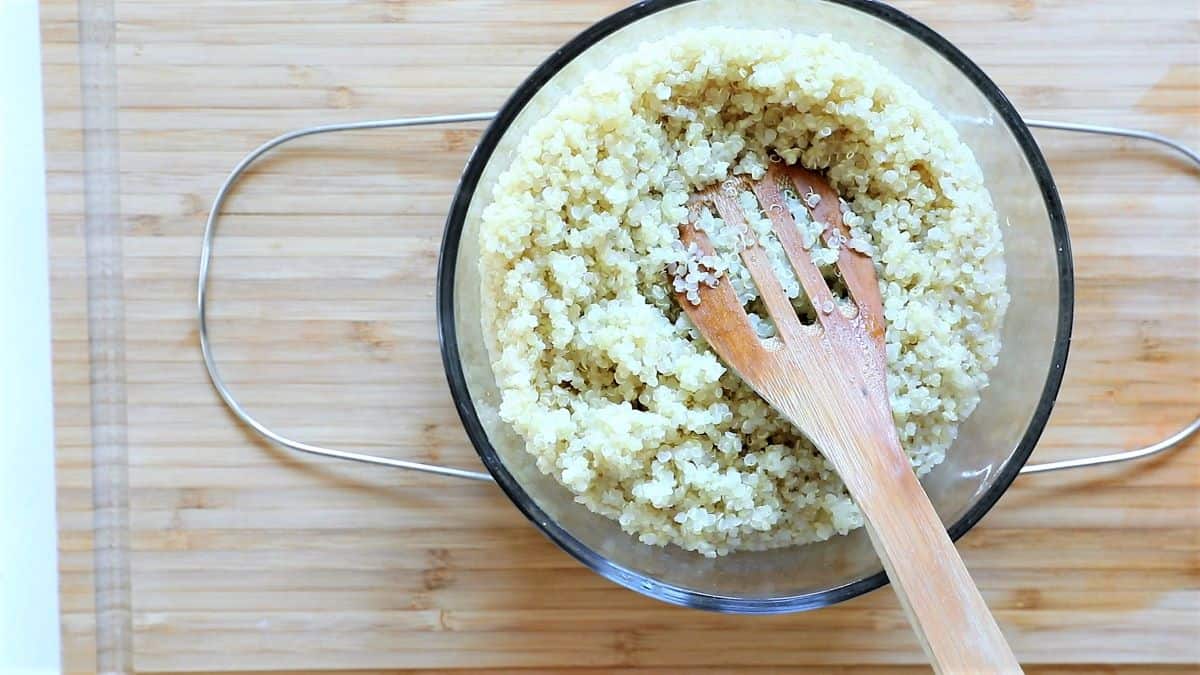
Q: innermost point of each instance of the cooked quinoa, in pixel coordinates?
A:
(615, 394)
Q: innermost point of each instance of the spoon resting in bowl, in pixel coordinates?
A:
(830, 380)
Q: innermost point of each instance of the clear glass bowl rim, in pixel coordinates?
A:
(635, 581)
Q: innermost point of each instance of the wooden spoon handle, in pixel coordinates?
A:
(943, 605)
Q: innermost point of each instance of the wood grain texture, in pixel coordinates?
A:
(103, 236)
(246, 558)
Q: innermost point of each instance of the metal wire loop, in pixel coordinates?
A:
(1179, 437)
(210, 364)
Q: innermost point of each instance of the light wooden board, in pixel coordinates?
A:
(243, 557)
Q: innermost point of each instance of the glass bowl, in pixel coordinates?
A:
(992, 444)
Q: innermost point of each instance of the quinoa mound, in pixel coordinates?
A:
(614, 392)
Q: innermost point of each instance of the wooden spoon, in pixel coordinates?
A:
(829, 379)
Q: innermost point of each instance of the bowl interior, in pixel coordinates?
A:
(992, 444)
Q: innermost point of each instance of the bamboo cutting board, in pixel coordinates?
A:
(187, 545)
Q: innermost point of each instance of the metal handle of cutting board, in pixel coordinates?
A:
(210, 363)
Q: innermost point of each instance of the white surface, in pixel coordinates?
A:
(29, 635)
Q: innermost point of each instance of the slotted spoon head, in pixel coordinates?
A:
(830, 380)
(836, 347)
